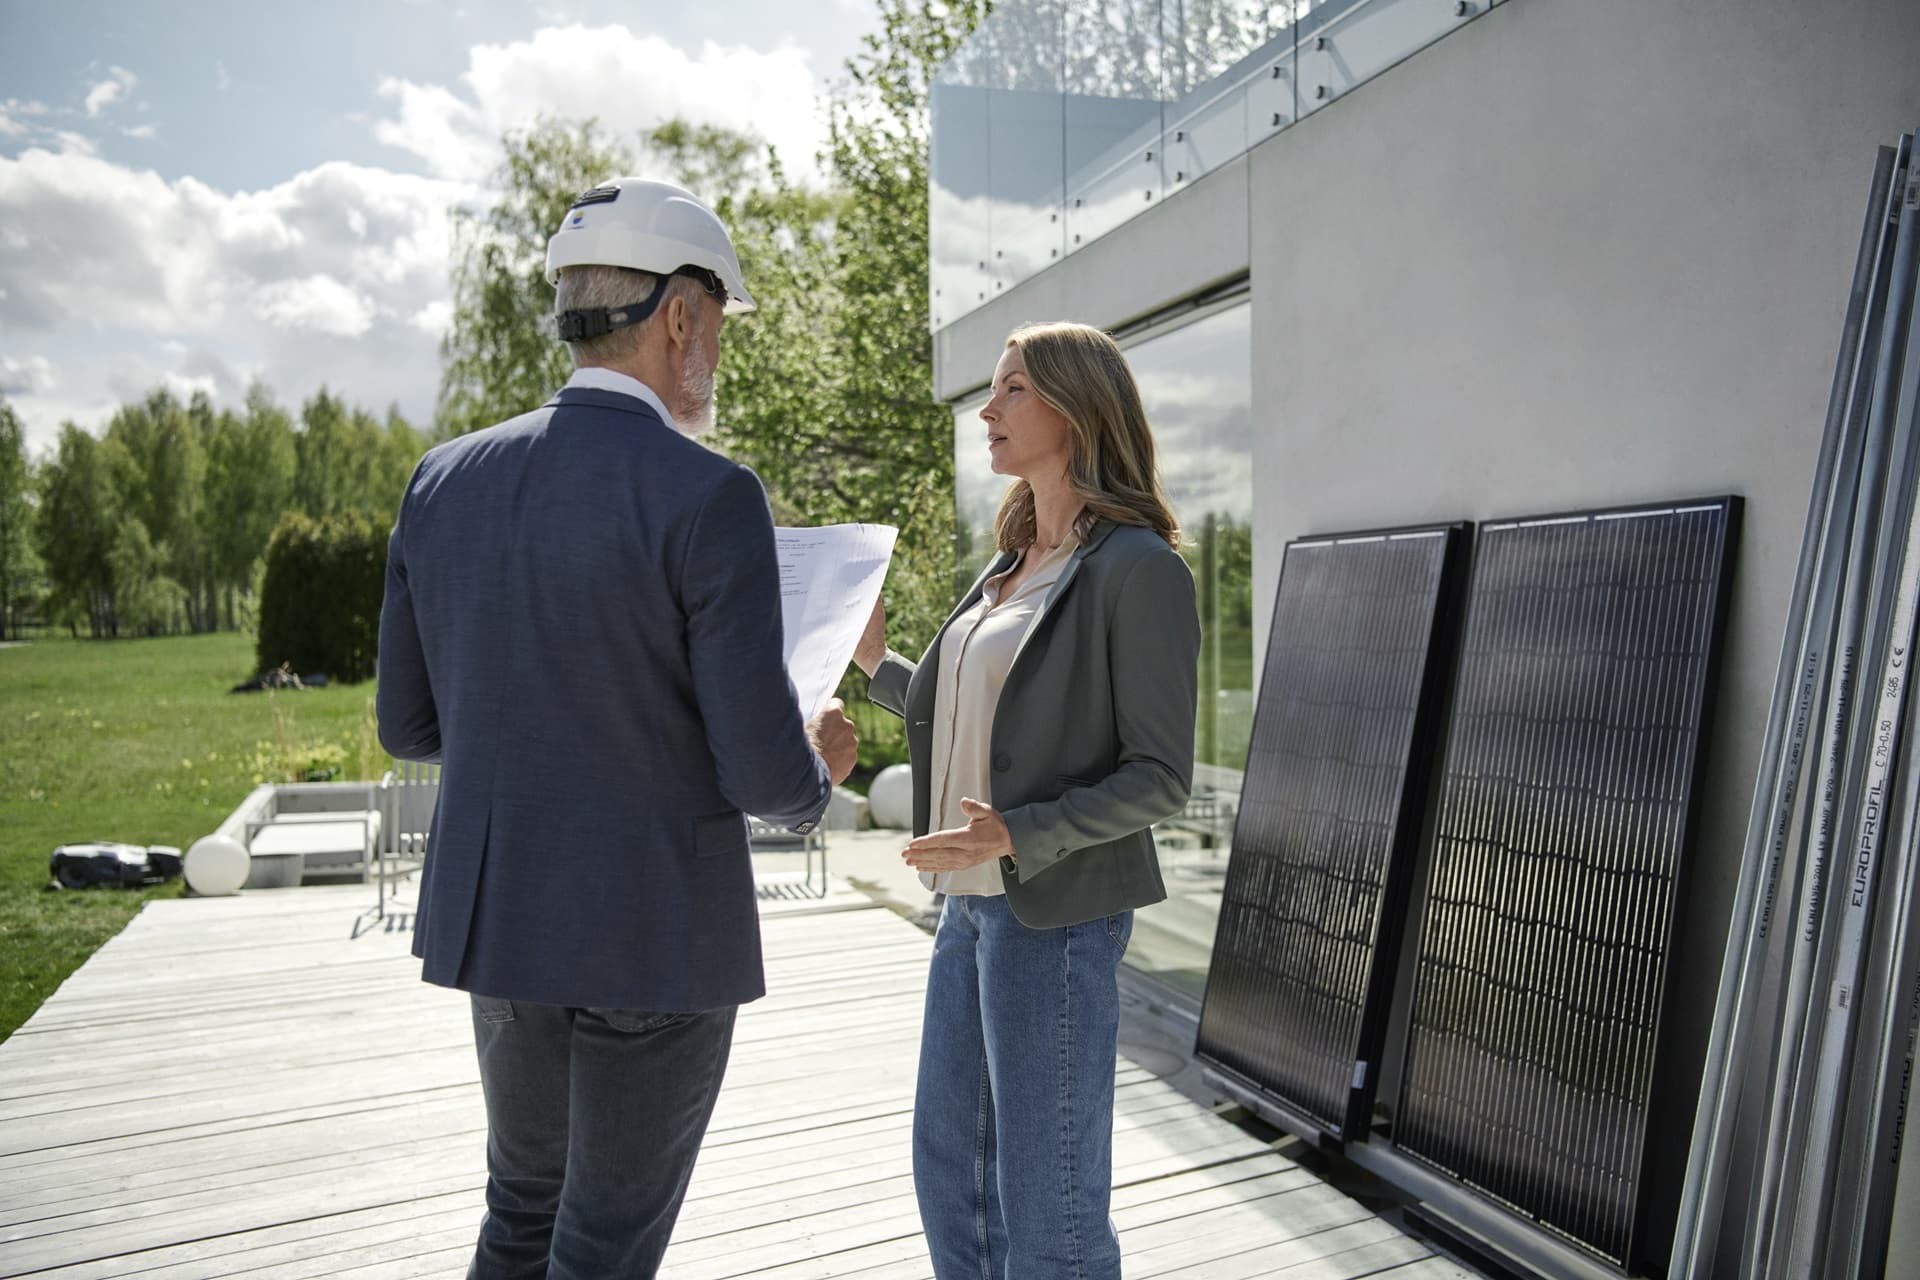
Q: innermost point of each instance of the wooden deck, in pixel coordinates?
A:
(261, 1086)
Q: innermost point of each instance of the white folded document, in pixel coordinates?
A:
(829, 580)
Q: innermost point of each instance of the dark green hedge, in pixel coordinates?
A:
(320, 603)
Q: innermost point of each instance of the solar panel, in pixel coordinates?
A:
(1350, 702)
(1563, 824)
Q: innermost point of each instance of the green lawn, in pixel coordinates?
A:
(136, 740)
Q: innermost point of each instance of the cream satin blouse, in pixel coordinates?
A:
(976, 653)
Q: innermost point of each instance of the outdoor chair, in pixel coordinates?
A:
(764, 837)
(407, 796)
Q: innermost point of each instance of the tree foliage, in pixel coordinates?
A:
(499, 357)
(345, 459)
(826, 390)
(320, 597)
(251, 458)
(18, 564)
(158, 525)
(76, 531)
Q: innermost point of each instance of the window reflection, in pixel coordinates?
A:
(1055, 122)
(1196, 383)
(977, 494)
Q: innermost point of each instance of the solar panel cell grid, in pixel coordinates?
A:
(1293, 1003)
(1559, 845)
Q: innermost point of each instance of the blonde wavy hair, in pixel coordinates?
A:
(1083, 375)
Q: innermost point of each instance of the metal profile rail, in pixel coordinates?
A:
(1803, 660)
(1864, 603)
(1803, 1022)
(1861, 1215)
(1870, 1154)
(1834, 1223)
(1827, 1045)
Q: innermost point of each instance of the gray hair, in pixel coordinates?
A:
(590, 287)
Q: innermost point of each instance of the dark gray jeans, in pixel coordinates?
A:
(594, 1117)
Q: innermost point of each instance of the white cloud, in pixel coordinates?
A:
(625, 80)
(435, 318)
(316, 304)
(31, 376)
(221, 80)
(185, 386)
(129, 281)
(36, 124)
(144, 132)
(18, 116)
(433, 124)
(105, 244)
(75, 144)
(117, 85)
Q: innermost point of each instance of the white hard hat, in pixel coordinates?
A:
(648, 226)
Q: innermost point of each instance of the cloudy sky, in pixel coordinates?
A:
(204, 192)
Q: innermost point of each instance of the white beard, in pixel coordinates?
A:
(694, 415)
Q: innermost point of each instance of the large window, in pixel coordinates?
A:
(1195, 377)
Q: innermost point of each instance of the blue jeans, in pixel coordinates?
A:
(1013, 1116)
(594, 1117)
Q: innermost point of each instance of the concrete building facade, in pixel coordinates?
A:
(1571, 254)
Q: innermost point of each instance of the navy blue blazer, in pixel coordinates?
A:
(582, 624)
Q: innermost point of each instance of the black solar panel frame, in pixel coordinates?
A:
(1262, 1083)
(1625, 1248)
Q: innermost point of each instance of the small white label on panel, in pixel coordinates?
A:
(1359, 1074)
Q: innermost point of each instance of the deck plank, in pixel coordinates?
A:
(261, 1086)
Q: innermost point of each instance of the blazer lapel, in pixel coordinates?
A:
(927, 668)
(1095, 537)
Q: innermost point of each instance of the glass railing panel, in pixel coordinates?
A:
(1059, 120)
(1126, 182)
(958, 243)
(1026, 151)
(1206, 136)
(1213, 50)
(1270, 89)
(1343, 43)
(1208, 40)
(1026, 228)
(1114, 78)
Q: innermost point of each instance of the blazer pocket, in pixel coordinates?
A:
(719, 833)
(1067, 780)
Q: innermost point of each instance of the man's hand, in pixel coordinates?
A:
(984, 838)
(873, 641)
(832, 735)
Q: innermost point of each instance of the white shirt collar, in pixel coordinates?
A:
(607, 380)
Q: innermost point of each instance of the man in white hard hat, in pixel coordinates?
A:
(582, 622)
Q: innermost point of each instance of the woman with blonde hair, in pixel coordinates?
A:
(1050, 724)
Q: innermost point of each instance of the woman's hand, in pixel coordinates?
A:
(873, 641)
(984, 838)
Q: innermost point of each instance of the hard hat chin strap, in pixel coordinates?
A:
(595, 322)
(586, 323)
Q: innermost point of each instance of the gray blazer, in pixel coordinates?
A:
(1093, 735)
(582, 622)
